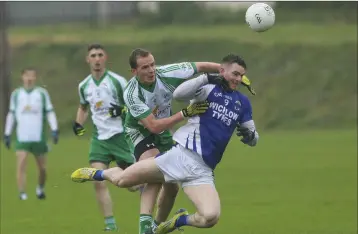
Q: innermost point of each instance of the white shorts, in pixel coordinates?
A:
(185, 166)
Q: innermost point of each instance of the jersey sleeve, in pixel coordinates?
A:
(203, 92)
(177, 73)
(247, 112)
(123, 83)
(81, 93)
(48, 103)
(120, 84)
(135, 102)
(12, 105)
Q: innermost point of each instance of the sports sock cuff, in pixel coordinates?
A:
(182, 221)
(98, 175)
(109, 220)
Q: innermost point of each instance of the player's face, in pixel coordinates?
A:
(145, 70)
(233, 74)
(97, 58)
(29, 78)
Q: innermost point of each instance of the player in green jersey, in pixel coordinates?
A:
(148, 97)
(30, 106)
(97, 92)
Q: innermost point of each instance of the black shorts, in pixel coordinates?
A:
(123, 165)
(145, 145)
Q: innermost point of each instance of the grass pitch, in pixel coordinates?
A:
(291, 183)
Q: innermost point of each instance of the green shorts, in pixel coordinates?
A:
(163, 142)
(115, 149)
(36, 148)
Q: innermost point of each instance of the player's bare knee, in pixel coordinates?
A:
(211, 217)
(171, 189)
(123, 182)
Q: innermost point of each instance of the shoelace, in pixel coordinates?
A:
(88, 172)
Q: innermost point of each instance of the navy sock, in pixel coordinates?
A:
(182, 221)
(98, 175)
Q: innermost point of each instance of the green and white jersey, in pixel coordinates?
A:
(99, 94)
(30, 108)
(143, 100)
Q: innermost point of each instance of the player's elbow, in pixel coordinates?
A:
(152, 124)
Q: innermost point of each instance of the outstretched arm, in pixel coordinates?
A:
(188, 90)
(207, 67)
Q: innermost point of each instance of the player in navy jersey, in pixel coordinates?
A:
(201, 143)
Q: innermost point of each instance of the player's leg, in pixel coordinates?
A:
(149, 192)
(207, 202)
(135, 174)
(22, 150)
(21, 165)
(39, 150)
(104, 199)
(144, 171)
(163, 142)
(165, 202)
(41, 165)
(123, 152)
(146, 148)
(201, 191)
(99, 158)
(169, 191)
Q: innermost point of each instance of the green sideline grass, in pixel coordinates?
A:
(321, 34)
(291, 183)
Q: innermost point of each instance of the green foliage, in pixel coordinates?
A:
(298, 85)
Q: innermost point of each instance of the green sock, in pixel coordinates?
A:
(110, 222)
(145, 223)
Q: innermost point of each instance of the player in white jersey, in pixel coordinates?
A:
(98, 92)
(30, 106)
(201, 144)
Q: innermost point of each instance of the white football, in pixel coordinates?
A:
(260, 17)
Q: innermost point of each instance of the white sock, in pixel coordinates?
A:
(39, 190)
(23, 196)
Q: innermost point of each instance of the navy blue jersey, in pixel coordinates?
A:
(209, 133)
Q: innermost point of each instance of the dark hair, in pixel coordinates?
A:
(233, 58)
(138, 52)
(28, 69)
(94, 46)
